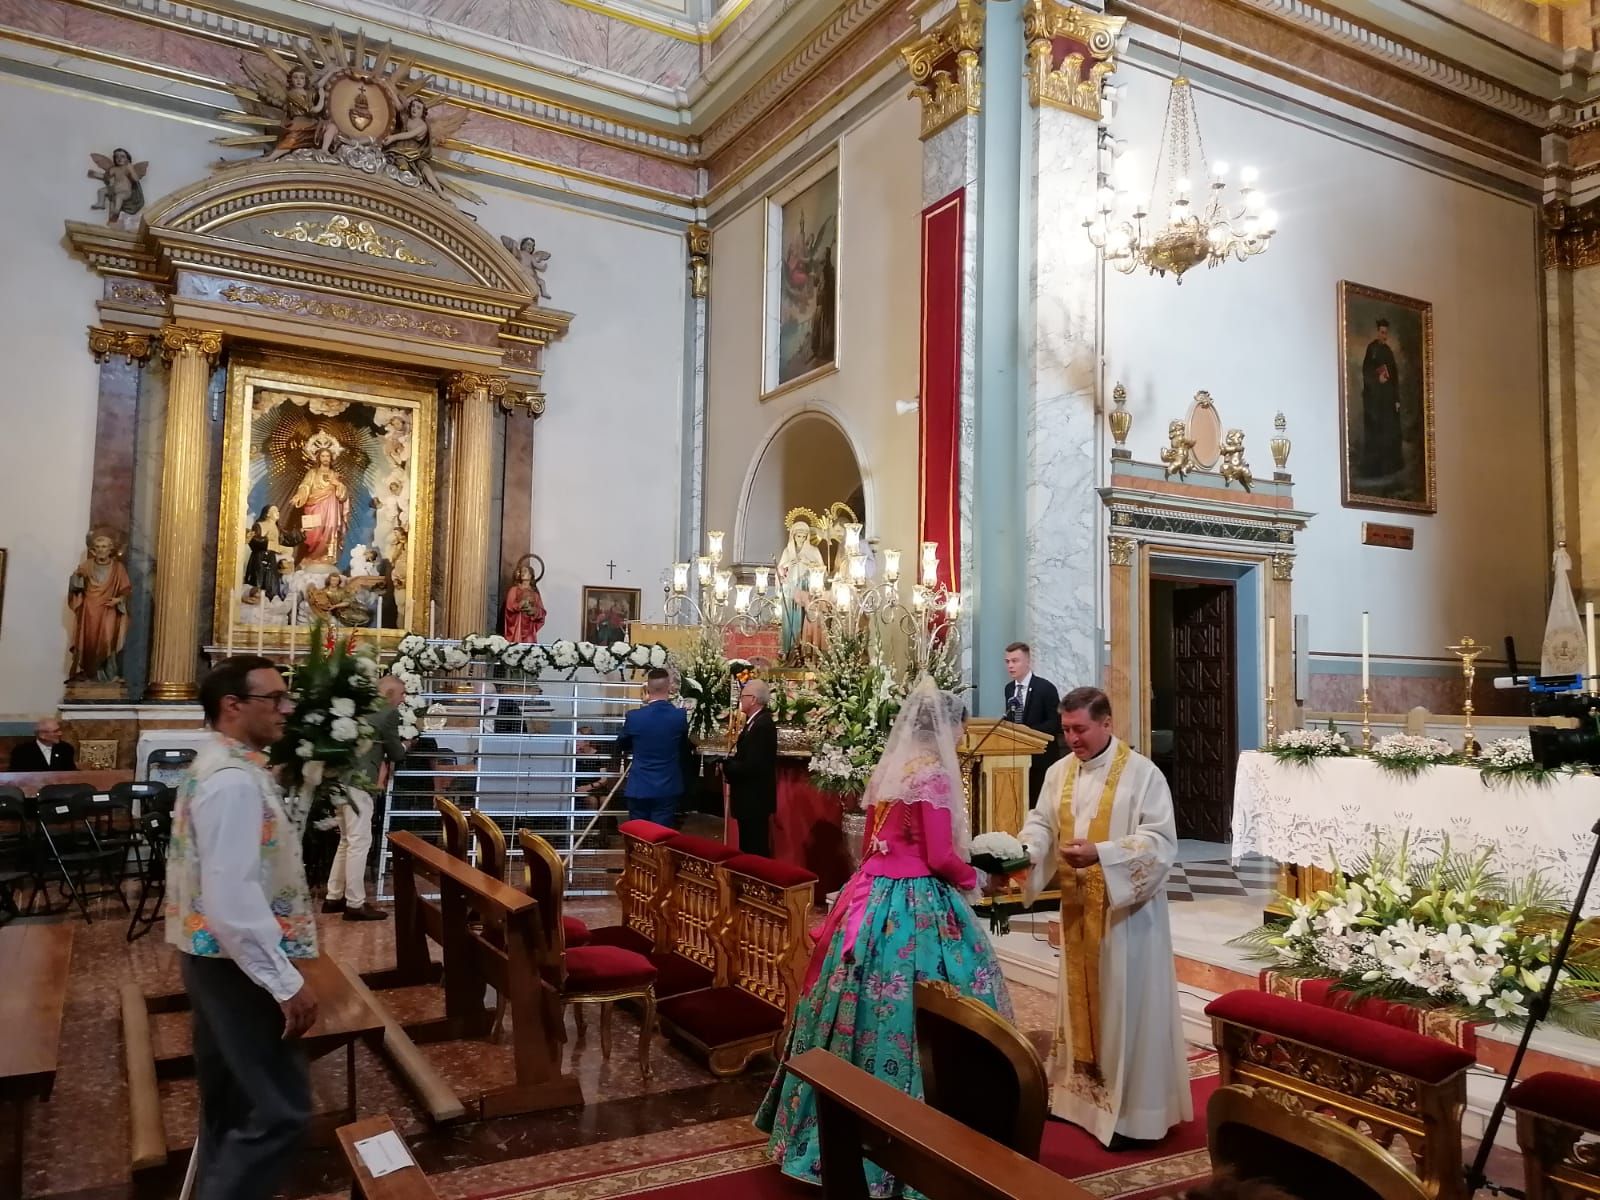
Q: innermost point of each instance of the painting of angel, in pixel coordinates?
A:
(121, 192)
(803, 277)
(534, 262)
(342, 468)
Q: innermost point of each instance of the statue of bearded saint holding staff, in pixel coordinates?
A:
(98, 597)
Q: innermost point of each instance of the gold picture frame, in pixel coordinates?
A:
(1386, 415)
(801, 298)
(369, 433)
(601, 608)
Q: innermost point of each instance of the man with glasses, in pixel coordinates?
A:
(239, 910)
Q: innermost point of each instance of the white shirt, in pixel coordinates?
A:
(225, 819)
(44, 750)
(1021, 693)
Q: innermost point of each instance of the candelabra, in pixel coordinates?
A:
(1468, 650)
(928, 618)
(1272, 712)
(722, 602)
(1366, 719)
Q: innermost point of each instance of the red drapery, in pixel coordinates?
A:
(939, 405)
(807, 829)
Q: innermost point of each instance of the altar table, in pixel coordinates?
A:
(1296, 813)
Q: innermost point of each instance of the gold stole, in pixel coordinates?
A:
(1083, 916)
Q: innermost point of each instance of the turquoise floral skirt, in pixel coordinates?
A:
(860, 1006)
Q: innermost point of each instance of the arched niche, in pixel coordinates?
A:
(810, 462)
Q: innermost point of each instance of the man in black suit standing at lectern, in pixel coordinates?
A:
(1033, 702)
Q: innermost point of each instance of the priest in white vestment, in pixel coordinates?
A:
(1118, 1066)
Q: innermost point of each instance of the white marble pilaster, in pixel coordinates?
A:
(1064, 543)
(694, 457)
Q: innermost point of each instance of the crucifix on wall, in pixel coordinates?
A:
(611, 569)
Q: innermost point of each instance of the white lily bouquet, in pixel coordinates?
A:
(998, 853)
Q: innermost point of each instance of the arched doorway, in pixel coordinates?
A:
(808, 462)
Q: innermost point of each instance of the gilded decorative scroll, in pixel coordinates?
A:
(103, 343)
(1070, 52)
(1571, 235)
(699, 261)
(339, 232)
(342, 311)
(945, 72)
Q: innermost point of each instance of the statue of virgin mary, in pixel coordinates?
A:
(800, 555)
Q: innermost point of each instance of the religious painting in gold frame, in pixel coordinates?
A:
(1386, 400)
(326, 511)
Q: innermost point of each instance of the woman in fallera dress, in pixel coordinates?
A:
(901, 918)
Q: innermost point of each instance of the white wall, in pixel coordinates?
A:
(880, 172)
(606, 452)
(1261, 336)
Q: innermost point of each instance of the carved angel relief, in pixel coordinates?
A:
(533, 260)
(121, 192)
(336, 103)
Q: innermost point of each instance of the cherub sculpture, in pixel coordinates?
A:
(534, 262)
(1234, 469)
(412, 146)
(1178, 456)
(120, 192)
(298, 101)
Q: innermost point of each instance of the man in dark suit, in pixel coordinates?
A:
(752, 771)
(45, 751)
(657, 734)
(1033, 702)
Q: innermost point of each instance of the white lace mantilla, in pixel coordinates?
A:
(1296, 813)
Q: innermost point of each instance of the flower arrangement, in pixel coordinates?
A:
(1407, 754)
(335, 689)
(998, 853)
(1511, 760)
(707, 680)
(1443, 931)
(1304, 745)
(857, 701)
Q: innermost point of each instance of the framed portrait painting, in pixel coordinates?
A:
(1386, 400)
(801, 339)
(326, 513)
(607, 613)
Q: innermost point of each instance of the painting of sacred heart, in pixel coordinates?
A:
(802, 300)
(607, 613)
(327, 501)
(1386, 400)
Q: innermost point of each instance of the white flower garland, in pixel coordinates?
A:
(1408, 748)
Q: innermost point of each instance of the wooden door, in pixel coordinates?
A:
(1205, 737)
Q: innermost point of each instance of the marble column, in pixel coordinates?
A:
(1069, 52)
(476, 399)
(180, 536)
(692, 502)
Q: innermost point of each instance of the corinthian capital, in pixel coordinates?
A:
(179, 339)
(469, 385)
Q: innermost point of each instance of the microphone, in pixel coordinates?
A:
(1511, 655)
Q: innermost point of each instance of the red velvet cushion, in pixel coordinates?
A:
(1562, 1097)
(647, 831)
(703, 848)
(1354, 1037)
(622, 937)
(721, 1016)
(607, 968)
(770, 870)
(575, 931)
(678, 975)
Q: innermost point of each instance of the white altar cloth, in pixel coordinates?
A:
(1296, 813)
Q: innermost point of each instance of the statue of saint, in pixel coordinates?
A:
(1565, 643)
(800, 555)
(523, 613)
(323, 502)
(98, 594)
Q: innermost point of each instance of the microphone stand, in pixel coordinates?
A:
(1538, 1011)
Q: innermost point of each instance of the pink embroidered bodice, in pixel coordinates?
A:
(913, 840)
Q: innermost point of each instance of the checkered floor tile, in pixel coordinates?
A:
(1252, 876)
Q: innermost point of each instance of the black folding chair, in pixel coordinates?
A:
(16, 857)
(71, 823)
(154, 832)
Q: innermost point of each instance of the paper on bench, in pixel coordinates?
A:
(384, 1154)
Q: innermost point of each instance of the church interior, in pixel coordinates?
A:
(894, 424)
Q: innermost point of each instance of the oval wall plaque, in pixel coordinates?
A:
(1205, 430)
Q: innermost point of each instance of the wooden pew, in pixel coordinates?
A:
(35, 961)
(861, 1117)
(408, 1183)
(504, 955)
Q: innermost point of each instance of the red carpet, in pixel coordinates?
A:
(742, 1173)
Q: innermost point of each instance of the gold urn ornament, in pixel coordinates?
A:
(1120, 419)
(1280, 444)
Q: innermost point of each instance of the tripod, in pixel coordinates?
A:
(1537, 1012)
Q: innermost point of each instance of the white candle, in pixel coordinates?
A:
(1366, 652)
(1272, 651)
(1590, 682)
(433, 609)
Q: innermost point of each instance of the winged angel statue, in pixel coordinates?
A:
(535, 262)
(333, 102)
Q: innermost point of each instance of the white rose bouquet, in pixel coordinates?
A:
(997, 853)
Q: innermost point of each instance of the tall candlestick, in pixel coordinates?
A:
(1366, 652)
(433, 611)
(1590, 683)
(1272, 679)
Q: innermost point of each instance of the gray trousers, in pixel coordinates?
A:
(255, 1088)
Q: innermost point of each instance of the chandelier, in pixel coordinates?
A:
(1174, 228)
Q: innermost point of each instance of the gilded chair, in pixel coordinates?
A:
(580, 975)
(978, 1069)
(490, 843)
(453, 824)
(1558, 1131)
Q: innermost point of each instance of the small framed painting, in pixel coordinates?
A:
(607, 612)
(801, 329)
(1386, 400)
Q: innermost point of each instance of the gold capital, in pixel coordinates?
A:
(469, 385)
(1122, 551)
(699, 261)
(946, 75)
(103, 343)
(178, 339)
(528, 401)
(1063, 40)
(1283, 566)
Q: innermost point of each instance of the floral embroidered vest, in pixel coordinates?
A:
(283, 872)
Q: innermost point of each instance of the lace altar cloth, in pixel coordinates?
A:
(1296, 813)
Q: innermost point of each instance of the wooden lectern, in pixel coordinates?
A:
(995, 757)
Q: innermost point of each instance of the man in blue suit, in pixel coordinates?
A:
(657, 734)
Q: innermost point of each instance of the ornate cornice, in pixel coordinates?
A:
(946, 75)
(103, 343)
(1063, 40)
(699, 239)
(1571, 235)
(179, 339)
(470, 385)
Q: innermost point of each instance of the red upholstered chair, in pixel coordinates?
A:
(765, 944)
(643, 889)
(586, 974)
(1558, 1124)
(1298, 1078)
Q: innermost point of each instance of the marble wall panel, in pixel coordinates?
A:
(1440, 694)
